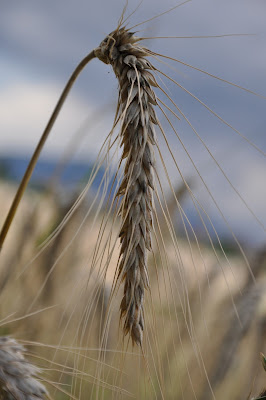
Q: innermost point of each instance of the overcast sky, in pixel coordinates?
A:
(42, 42)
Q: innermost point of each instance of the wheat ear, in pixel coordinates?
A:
(17, 376)
(136, 100)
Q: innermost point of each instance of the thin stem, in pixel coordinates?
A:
(198, 37)
(36, 154)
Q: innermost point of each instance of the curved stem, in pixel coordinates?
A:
(36, 154)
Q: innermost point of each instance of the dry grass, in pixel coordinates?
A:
(68, 337)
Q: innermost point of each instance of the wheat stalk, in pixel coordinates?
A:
(25, 180)
(17, 376)
(136, 101)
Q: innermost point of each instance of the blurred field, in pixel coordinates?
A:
(205, 315)
(205, 311)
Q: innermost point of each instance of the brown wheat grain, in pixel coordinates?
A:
(136, 100)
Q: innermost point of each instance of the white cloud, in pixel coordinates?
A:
(25, 109)
(246, 172)
(249, 178)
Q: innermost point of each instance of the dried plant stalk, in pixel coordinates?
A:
(27, 175)
(17, 376)
(136, 101)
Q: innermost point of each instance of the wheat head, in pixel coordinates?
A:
(18, 378)
(136, 101)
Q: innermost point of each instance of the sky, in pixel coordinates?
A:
(42, 42)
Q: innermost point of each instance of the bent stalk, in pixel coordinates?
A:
(36, 154)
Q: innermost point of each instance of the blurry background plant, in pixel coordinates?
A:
(55, 302)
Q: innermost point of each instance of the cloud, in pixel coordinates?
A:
(242, 201)
(52, 37)
(247, 176)
(25, 110)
